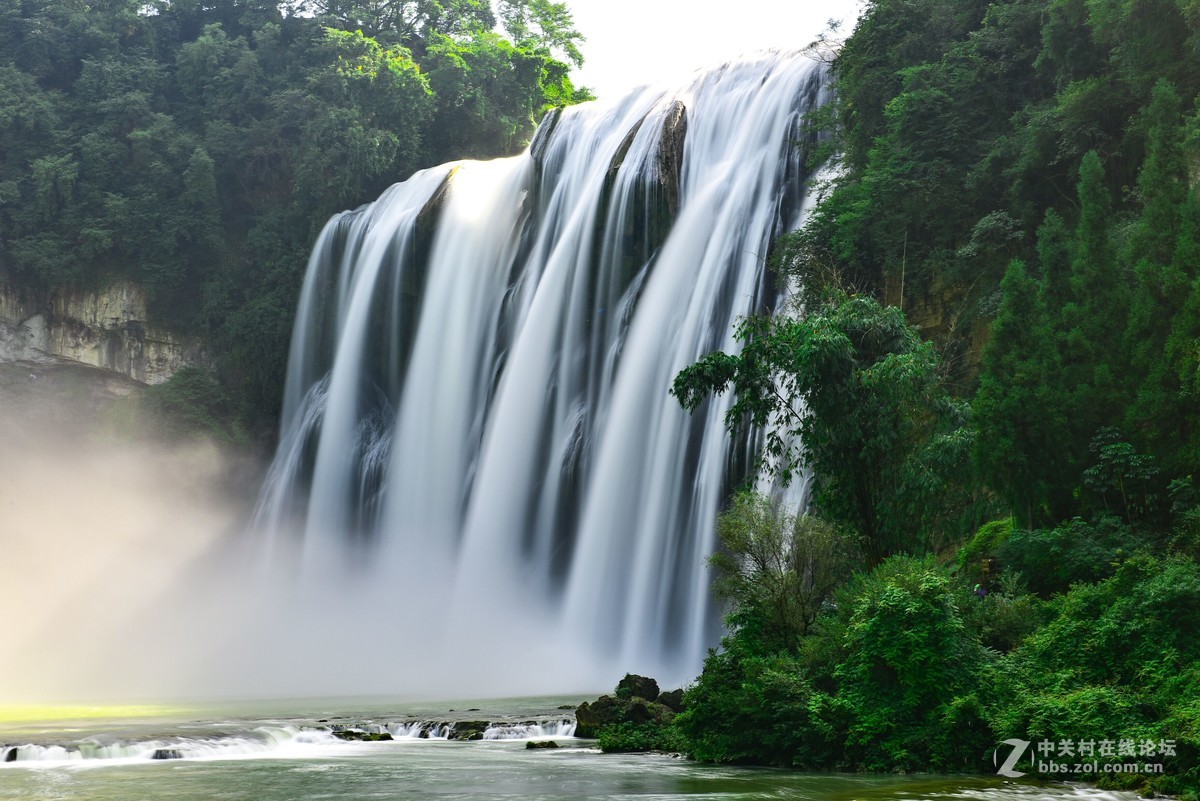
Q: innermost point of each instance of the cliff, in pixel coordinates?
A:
(106, 329)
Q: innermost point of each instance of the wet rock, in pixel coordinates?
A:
(167, 753)
(541, 744)
(636, 700)
(359, 736)
(673, 700)
(469, 730)
(670, 154)
(541, 138)
(11, 755)
(634, 686)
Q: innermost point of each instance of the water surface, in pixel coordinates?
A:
(285, 751)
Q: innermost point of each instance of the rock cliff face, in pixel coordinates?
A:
(106, 329)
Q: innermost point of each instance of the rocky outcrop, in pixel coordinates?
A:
(672, 700)
(107, 329)
(634, 686)
(541, 137)
(670, 154)
(469, 730)
(629, 704)
(359, 736)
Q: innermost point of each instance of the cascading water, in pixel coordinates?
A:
(476, 409)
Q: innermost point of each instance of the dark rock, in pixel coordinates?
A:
(541, 138)
(641, 711)
(634, 686)
(11, 755)
(541, 744)
(567, 706)
(359, 736)
(607, 710)
(670, 155)
(673, 700)
(469, 730)
(589, 717)
(167, 753)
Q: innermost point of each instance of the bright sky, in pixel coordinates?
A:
(635, 42)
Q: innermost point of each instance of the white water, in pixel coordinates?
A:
(264, 741)
(477, 412)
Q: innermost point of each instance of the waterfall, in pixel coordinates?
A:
(476, 406)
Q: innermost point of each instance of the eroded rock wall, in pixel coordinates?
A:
(106, 329)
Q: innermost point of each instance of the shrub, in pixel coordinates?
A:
(752, 709)
(1051, 560)
(191, 402)
(910, 670)
(620, 738)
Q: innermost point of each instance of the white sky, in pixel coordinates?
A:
(661, 42)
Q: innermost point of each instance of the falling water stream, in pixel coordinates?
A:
(477, 391)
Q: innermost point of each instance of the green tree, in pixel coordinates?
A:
(852, 387)
(1092, 356)
(543, 24)
(1018, 422)
(909, 670)
(777, 569)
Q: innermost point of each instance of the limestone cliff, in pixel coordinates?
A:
(106, 329)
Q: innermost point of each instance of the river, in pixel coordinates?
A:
(286, 751)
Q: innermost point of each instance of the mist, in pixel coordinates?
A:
(130, 574)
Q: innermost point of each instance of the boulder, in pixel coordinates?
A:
(360, 736)
(608, 710)
(634, 686)
(541, 744)
(469, 730)
(673, 700)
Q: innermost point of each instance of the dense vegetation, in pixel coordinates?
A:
(1019, 177)
(196, 146)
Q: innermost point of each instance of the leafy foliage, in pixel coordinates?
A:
(853, 388)
(1019, 177)
(619, 738)
(196, 148)
(777, 569)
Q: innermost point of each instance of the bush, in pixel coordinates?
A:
(751, 709)
(1051, 560)
(1002, 619)
(1118, 659)
(619, 738)
(191, 402)
(984, 544)
(777, 570)
(910, 671)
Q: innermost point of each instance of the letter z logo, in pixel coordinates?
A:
(1014, 756)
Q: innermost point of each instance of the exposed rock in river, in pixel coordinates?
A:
(629, 705)
(634, 686)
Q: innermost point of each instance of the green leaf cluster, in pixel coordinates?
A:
(197, 147)
(851, 391)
